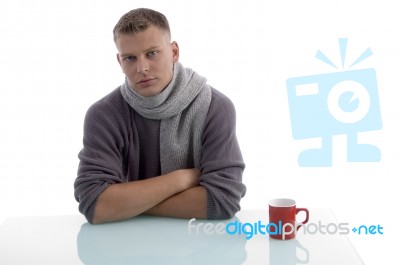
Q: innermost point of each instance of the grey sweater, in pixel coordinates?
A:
(119, 146)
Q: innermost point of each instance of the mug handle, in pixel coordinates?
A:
(307, 215)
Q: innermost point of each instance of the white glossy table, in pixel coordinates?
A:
(157, 240)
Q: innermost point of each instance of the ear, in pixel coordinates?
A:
(175, 51)
(119, 61)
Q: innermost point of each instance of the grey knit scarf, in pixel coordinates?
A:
(182, 108)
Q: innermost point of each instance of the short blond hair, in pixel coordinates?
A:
(140, 19)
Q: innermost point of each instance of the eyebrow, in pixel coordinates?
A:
(150, 49)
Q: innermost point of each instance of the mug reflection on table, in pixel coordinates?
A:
(285, 252)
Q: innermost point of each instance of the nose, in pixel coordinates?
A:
(142, 66)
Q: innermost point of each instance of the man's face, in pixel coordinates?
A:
(147, 60)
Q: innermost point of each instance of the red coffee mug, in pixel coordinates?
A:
(282, 218)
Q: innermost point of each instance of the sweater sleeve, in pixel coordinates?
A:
(101, 159)
(222, 163)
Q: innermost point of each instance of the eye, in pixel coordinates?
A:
(129, 58)
(152, 53)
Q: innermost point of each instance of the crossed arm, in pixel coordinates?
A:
(176, 194)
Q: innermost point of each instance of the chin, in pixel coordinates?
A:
(150, 92)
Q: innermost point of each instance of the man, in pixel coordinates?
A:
(164, 142)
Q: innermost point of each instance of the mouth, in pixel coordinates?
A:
(146, 81)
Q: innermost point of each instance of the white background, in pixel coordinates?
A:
(58, 57)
